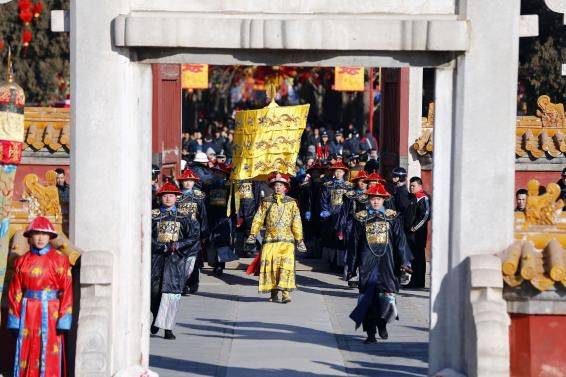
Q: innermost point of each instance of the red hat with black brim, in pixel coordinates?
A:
(374, 177)
(41, 225)
(168, 188)
(188, 175)
(378, 190)
(339, 165)
(278, 178)
(361, 175)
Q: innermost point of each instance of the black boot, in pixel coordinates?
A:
(186, 290)
(154, 330)
(218, 270)
(370, 339)
(169, 335)
(382, 328)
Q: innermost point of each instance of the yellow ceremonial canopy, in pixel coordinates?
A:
(267, 140)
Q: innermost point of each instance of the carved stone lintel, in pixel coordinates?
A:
(93, 338)
(488, 342)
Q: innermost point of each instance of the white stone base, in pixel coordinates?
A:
(136, 371)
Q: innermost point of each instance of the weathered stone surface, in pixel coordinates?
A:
(305, 7)
(136, 371)
(317, 32)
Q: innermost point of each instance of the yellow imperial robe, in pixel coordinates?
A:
(282, 220)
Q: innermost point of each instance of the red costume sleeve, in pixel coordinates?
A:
(66, 296)
(15, 297)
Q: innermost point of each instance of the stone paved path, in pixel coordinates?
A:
(228, 330)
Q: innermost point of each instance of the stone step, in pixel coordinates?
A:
(300, 265)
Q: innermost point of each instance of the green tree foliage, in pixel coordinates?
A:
(541, 58)
(39, 68)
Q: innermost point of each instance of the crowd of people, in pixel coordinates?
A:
(317, 143)
(371, 231)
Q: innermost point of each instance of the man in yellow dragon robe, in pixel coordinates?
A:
(283, 230)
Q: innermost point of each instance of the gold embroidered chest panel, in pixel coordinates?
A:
(189, 208)
(336, 196)
(245, 190)
(168, 231)
(377, 232)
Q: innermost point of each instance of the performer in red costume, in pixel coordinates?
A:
(40, 300)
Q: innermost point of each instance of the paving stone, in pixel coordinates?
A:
(227, 329)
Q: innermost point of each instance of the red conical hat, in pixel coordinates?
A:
(278, 177)
(374, 177)
(378, 190)
(339, 165)
(361, 175)
(188, 175)
(41, 224)
(168, 188)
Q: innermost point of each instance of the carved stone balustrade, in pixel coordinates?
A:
(93, 338)
(488, 333)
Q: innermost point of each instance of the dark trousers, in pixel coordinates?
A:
(370, 320)
(194, 279)
(155, 298)
(373, 319)
(417, 243)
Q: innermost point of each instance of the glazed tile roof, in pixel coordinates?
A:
(47, 129)
(537, 137)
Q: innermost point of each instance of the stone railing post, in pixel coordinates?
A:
(93, 338)
(487, 322)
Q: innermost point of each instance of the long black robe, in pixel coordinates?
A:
(332, 200)
(193, 203)
(168, 272)
(250, 199)
(379, 249)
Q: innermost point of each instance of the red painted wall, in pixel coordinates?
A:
(544, 177)
(40, 170)
(404, 112)
(166, 130)
(389, 138)
(538, 345)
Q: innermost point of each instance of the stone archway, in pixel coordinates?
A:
(473, 45)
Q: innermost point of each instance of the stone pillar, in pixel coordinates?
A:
(111, 165)
(415, 118)
(474, 212)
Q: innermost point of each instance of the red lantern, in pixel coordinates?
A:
(26, 16)
(1, 44)
(26, 37)
(37, 9)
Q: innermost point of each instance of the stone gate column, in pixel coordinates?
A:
(415, 119)
(111, 167)
(474, 213)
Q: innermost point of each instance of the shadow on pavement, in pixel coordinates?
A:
(206, 369)
(262, 331)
